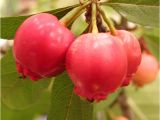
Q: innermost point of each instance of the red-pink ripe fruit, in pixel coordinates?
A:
(133, 51)
(147, 71)
(40, 46)
(121, 118)
(97, 65)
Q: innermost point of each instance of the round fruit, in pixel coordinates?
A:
(147, 71)
(133, 52)
(121, 118)
(97, 65)
(40, 46)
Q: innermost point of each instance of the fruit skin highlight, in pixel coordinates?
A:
(133, 51)
(147, 71)
(40, 46)
(97, 65)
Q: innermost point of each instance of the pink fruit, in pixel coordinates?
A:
(147, 70)
(40, 46)
(121, 118)
(97, 65)
(133, 52)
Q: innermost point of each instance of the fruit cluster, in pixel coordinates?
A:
(97, 63)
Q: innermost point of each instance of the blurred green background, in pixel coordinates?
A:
(144, 102)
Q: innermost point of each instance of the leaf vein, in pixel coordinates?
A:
(69, 106)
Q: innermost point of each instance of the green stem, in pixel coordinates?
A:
(110, 113)
(75, 17)
(94, 21)
(72, 15)
(107, 20)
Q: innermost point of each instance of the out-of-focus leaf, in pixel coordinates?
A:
(65, 105)
(145, 102)
(64, 3)
(103, 104)
(100, 109)
(79, 26)
(152, 37)
(19, 93)
(143, 12)
(30, 113)
(9, 25)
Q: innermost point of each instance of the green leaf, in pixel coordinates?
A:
(151, 37)
(105, 103)
(144, 102)
(101, 107)
(65, 105)
(29, 113)
(19, 93)
(9, 25)
(143, 12)
(79, 26)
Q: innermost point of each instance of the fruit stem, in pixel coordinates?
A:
(90, 28)
(94, 20)
(124, 105)
(72, 15)
(107, 20)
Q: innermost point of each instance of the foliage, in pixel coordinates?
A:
(16, 92)
(64, 101)
(145, 102)
(9, 25)
(138, 11)
(24, 99)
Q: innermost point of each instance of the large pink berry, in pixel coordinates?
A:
(40, 46)
(133, 52)
(97, 65)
